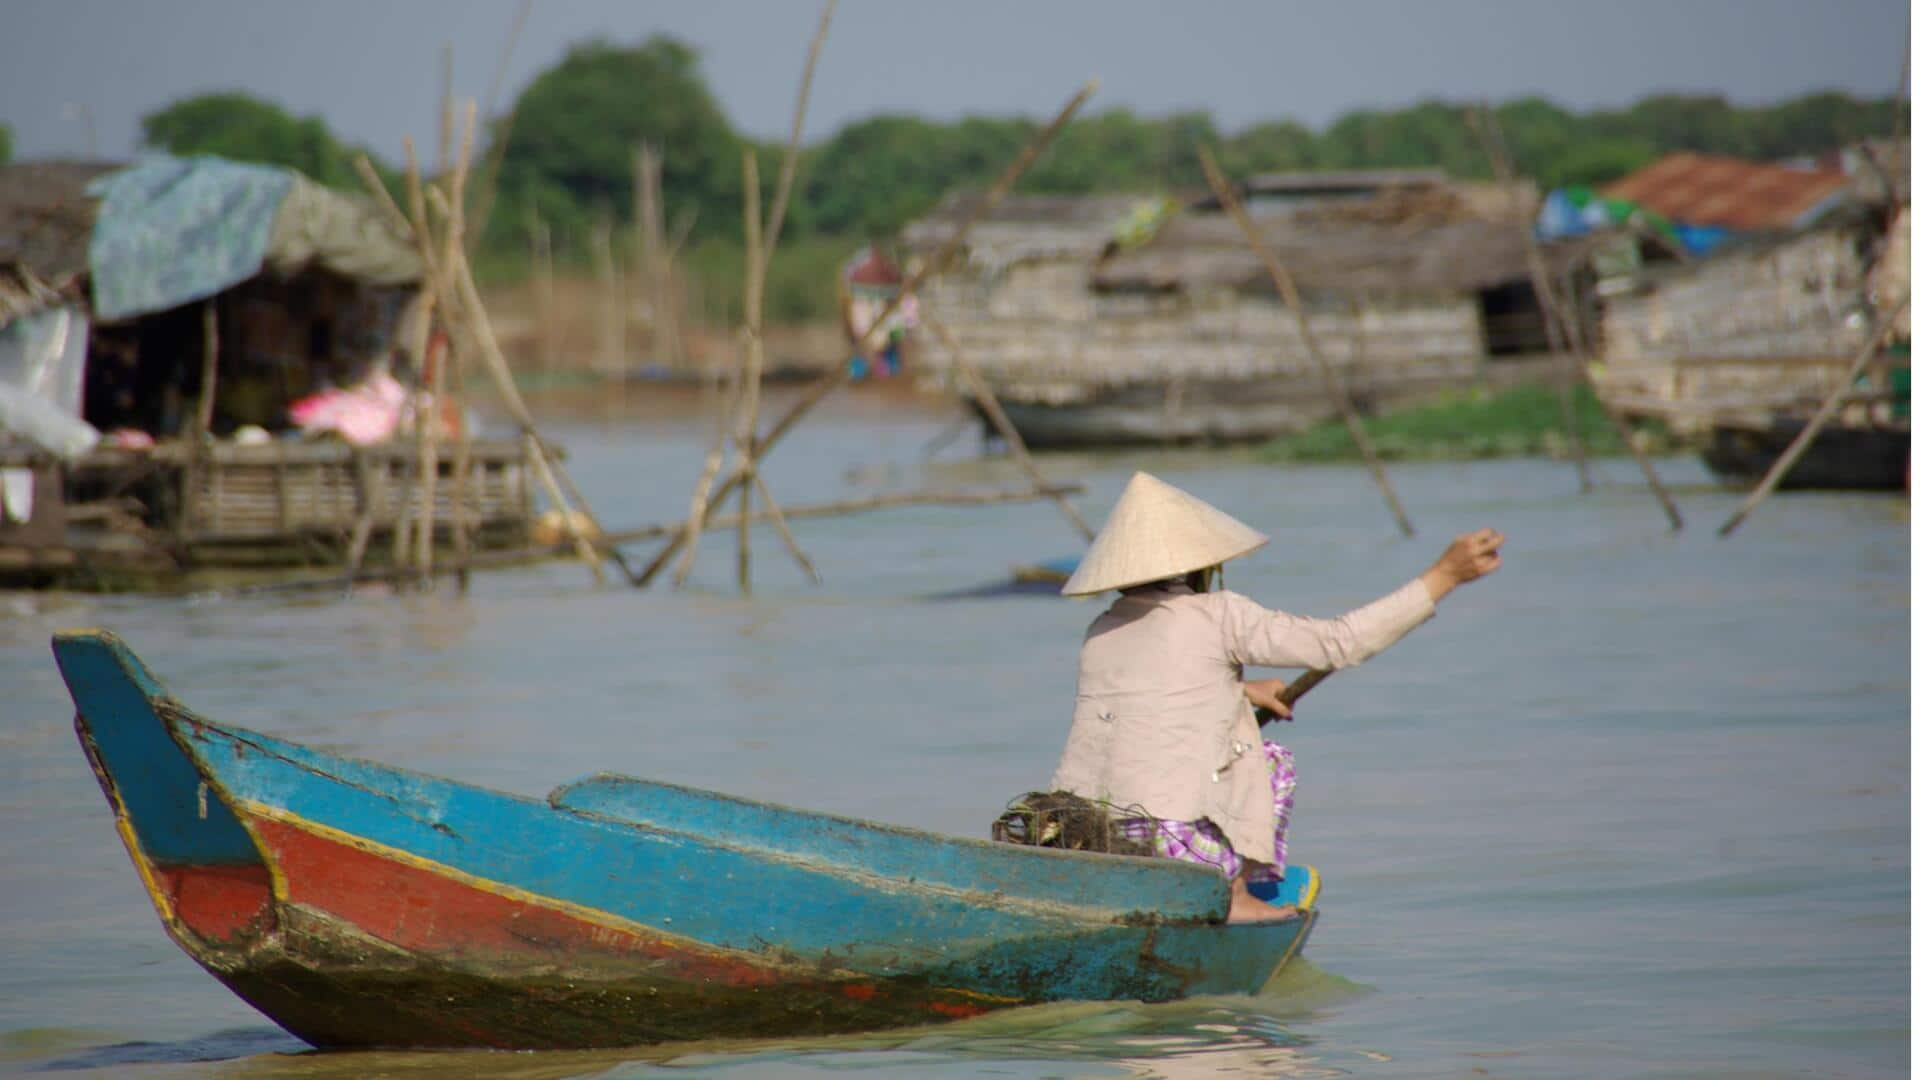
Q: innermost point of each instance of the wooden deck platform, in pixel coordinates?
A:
(128, 518)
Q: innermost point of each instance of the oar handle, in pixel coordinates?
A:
(1295, 690)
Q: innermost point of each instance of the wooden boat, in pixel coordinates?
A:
(1851, 457)
(361, 905)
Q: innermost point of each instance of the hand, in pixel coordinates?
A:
(1265, 694)
(1471, 556)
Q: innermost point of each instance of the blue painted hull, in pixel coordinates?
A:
(362, 905)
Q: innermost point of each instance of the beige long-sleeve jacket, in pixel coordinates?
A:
(1161, 721)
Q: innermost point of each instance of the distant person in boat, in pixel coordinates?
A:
(1164, 720)
(868, 284)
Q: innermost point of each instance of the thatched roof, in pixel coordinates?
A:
(1354, 248)
(1024, 227)
(1390, 231)
(1333, 183)
(46, 221)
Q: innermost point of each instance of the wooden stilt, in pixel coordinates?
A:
(370, 497)
(200, 430)
(1283, 284)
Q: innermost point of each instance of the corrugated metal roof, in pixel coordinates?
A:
(1704, 189)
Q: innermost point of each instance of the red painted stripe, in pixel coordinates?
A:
(217, 903)
(428, 912)
(432, 913)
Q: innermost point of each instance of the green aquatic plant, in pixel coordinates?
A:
(1520, 421)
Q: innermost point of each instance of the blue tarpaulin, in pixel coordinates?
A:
(175, 230)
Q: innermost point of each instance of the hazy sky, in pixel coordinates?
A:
(370, 67)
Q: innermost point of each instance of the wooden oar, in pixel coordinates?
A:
(1295, 690)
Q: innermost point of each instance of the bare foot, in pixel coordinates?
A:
(1244, 907)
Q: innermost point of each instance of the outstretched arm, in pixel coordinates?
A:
(1276, 639)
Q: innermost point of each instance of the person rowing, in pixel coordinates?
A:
(1164, 724)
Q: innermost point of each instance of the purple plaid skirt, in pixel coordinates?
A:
(1202, 842)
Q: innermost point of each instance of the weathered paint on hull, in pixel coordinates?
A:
(432, 914)
(1840, 459)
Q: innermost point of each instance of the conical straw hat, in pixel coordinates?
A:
(1157, 531)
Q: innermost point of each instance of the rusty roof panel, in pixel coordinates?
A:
(1705, 189)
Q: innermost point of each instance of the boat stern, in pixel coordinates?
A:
(201, 868)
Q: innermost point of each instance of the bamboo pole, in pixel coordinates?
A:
(402, 539)
(1828, 408)
(1583, 365)
(990, 404)
(209, 369)
(463, 462)
(543, 468)
(610, 308)
(201, 425)
(697, 510)
(759, 255)
(749, 409)
(1283, 283)
(779, 519)
(455, 402)
(428, 421)
(445, 158)
(405, 548)
(363, 521)
(427, 428)
(497, 146)
(718, 522)
(646, 245)
(1551, 316)
(790, 164)
(832, 382)
(541, 239)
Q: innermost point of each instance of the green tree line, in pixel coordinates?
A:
(569, 151)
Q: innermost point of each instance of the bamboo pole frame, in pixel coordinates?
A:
(460, 299)
(761, 243)
(828, 384)
(1284, 284)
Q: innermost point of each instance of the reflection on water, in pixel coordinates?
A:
(1636, 805)
(1204, 1037)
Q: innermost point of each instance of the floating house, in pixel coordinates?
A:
(1792, 269)
(1113, 320)
(203, 364)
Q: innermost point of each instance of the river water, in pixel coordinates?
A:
(1637, 805)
